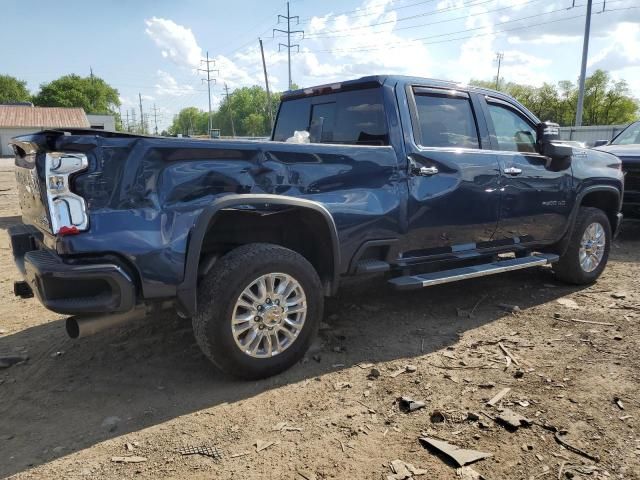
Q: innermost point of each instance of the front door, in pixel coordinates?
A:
(453, 184)
(536, 193)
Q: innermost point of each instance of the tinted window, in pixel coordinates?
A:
(629, 136)
(446, 122)
(354, 117)
(293, 115)
(322, 122)
(512, 131)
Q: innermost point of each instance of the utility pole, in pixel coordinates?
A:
(583, 68)
(233, 128)
(288, 31)
(499, 57)
(133, 118)
(266, 82)
(128, 126)
(209, 80)
(155, 117)
(93, 100)
(141, 114)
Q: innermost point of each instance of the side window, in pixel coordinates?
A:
(446, 121)
(293, 115)
(353, 117)
(513, 132)
(360, 118)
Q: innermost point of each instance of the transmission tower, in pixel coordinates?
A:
(288, 31)
(233, 128)
(209, 70)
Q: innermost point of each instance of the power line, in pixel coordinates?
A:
(288, 31)
(411, 17)
(421, 39)
(446, 20)
(362, 12)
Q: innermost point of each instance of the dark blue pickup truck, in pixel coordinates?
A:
(423, 181)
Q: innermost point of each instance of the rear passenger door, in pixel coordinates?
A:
(453, 184)
(536, 192)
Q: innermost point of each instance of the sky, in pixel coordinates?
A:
(155, 47)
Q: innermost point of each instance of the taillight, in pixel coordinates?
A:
(68, 210)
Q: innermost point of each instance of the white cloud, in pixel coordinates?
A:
(622, 51)
(176, 42)
(167, 85)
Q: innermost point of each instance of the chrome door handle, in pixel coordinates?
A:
(513, 171)
(426, 171)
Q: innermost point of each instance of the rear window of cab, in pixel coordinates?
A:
(354, 117)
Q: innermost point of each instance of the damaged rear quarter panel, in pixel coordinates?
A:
(145, 195)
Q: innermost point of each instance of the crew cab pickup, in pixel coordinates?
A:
(422, 181)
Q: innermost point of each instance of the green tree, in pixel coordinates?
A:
(190, 121)
(92, 94)
(13, 90)
(605, 102)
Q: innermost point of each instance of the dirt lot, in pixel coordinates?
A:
(76, 404)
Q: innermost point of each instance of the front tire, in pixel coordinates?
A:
(588, 250)
(259, 308)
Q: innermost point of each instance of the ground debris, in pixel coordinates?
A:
(573, 448)
(263, 445)
(459, 455)
(618, 402)
(10, 360)
(468, 473)
(498, 396)
(567, 302)
(129, 459)
(205, 450)
(407, 404)
(404, 471)
(512, 420)
(509, 308)
(341, 385)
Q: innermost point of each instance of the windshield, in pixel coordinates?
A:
(629, 136)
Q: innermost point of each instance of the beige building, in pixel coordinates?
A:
(23, 119)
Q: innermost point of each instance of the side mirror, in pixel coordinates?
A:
(599, 143)
(549, 145)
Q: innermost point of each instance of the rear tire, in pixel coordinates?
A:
(588, 250)
(247, 324)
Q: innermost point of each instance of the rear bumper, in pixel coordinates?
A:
(81, 287)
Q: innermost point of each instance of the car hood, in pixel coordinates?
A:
(626, 152)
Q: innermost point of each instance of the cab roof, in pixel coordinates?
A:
(379, 80)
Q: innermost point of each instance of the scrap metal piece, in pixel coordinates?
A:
(459, 455)
(206, 450)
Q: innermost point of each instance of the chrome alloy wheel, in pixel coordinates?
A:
(269, 315)
(592, 247)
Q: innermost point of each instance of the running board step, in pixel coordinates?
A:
(372, 266)
(411, 282)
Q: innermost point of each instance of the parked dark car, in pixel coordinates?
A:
(423, 181)
(626, 146)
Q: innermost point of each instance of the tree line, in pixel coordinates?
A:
(606, 102)
(91, 93)
(246, 111)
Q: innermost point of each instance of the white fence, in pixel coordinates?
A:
(590, 134)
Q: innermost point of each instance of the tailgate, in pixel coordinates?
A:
(31, 194)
